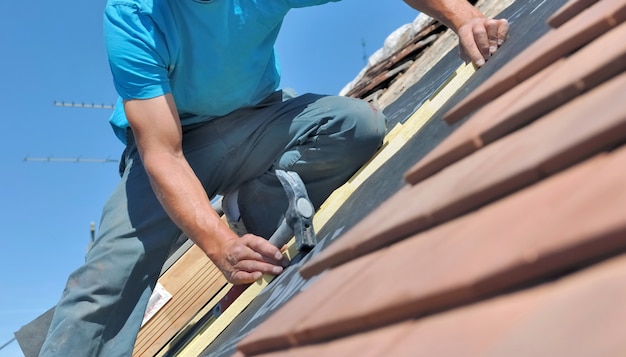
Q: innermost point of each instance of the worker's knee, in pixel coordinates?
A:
(371, 126)
(363, 127)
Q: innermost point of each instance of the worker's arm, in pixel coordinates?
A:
(479, 37)
(158, 135)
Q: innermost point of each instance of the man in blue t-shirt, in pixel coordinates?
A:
(201, 114)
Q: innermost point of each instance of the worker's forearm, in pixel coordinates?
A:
(452, 13)
(183, 198)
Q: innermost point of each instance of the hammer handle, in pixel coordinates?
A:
(282, 235)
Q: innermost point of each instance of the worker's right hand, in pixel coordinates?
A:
(479, 38)
(245, 259)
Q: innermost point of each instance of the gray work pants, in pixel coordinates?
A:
(324, 139)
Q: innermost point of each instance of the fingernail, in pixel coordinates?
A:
(278, 256)
(500, 42)
(480, 62)
(277, 270)
(493, 49)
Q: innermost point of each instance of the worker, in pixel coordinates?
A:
(201, 114)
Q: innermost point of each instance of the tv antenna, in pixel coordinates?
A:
(78, 159)
(70, 159)
(83, 105)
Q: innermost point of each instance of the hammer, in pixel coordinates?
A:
(298, 220)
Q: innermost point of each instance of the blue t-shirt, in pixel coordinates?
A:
(214, 56)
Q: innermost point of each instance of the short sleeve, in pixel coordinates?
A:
(137, 53)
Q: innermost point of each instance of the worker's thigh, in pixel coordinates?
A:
(323, 138)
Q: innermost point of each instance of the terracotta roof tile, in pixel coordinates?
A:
(566, 223)
(539, 321)
(554, 45)
(281, 325)
(582, 315)
(541, 93)
(369, 344)
(369, 235)
(581, 71)
(466, 139)
(569, 10)
(561, 138)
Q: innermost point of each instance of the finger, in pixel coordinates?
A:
(469, 49)
(252, 266)
(283, 261)
(482, 39)
(266, 251)
(492, 34)
(245, 254)
(503, 31)
(244, 277)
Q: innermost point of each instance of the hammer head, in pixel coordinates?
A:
(299, 215)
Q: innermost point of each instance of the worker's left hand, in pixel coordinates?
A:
(479, 38)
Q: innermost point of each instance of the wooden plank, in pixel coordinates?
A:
(192, 280)
(205, 337)
(204, 318)
(207, 309)
(176, 317)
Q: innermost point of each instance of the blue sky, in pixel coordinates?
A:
(53, 51)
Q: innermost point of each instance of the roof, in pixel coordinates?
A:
(491, 221)
(508, 237)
